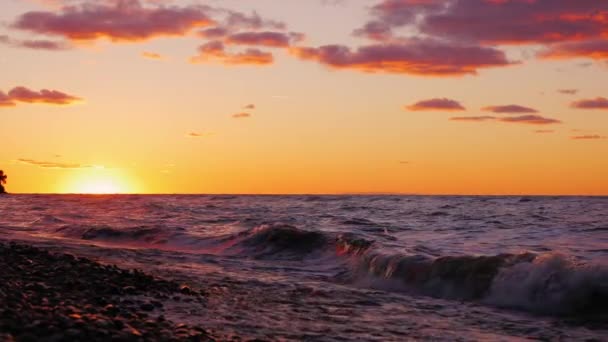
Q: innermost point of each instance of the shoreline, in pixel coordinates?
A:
(60, 297)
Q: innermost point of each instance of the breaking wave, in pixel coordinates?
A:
(542, 283)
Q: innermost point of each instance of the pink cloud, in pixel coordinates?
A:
(597, 103)
(437, 104)
(6, 101)
(267, 38)
(473, 118)
(596, 49)
(241, 116)
(588, 137)
(416, 57)
(23, 94)
(509, 109)
(492, 22)
(214, 33)
(251, 22)
(530, 120)
(124, 20)
(39, 44)
(151, 55)
(216, 51)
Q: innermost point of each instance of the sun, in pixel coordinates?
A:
(100, 187)
(99, 182)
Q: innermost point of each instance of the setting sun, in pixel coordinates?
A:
(100, 187)
(98, 181)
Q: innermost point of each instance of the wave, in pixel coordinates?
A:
(547, 284)
(541, 283)
(281, 241)
(140, 234)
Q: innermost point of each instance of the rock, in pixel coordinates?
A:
(147, 306)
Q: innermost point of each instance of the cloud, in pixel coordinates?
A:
(213, 33)
(588, 137)
(267, 38)
(493, 22)
(252, 22)
(198, 135)
(595, 49)
(568, 91)
(6, 101)
(509, 109)
(53, 165)
(23, 94)
(241, 116)
(597, 103)
(215, 51)
(437, 104)
(473, 118)
(152, 55)
(524, 119)
(415, 57)
(530, 119)
(544, 131)
(249, 106)
(35, 44)
(121, 20)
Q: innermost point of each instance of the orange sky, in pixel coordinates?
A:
(304, 97)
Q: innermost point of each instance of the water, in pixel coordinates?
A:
(351, 267)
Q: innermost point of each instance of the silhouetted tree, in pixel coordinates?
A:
(3, 178)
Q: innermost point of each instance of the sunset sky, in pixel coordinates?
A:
(315, 96)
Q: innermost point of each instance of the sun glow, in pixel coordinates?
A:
(100, 182)
(100, 187)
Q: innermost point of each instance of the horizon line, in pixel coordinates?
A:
(316, 194)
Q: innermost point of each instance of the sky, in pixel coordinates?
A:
(304, 97)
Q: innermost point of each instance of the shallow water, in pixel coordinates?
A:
(351, 267)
